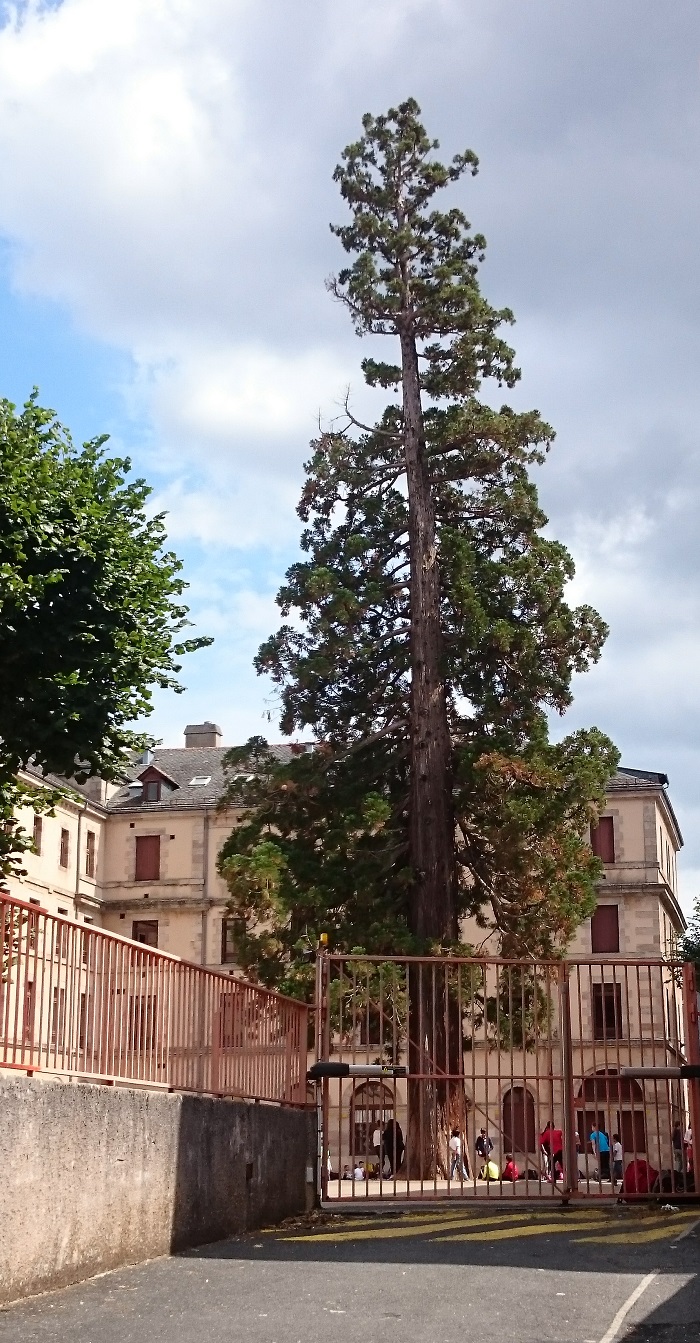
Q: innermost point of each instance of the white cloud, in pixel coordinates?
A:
(166, 170)
(246, 404)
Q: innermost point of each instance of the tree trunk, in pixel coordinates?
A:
(436, 1101)
(431, 819)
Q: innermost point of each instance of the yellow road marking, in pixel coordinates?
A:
(402, 1217)
(510, 1233)
(659, 1231)
(416, 1226)
(416, 1229)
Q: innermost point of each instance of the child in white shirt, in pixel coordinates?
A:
(617, 1157)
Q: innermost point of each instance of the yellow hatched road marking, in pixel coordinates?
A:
(402, 1217)
(513, 1232)
(657, 1232)
(423, 1228)
(415, 1229)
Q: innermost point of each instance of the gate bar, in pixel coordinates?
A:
(326, 1069)
(689, 1070)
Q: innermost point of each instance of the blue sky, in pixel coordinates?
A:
(166, 169)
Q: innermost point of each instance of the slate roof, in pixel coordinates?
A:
(630, 779)
(640, 780)
(57, 780)
(181, 765)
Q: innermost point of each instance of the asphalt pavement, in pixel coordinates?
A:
(443, 1276)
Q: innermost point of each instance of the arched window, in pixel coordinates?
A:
(616, 1105)
(519, 1131)
(371, 1107)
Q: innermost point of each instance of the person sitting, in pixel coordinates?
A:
(359, 1171)
(347, 1173)
(510, 1170)
(489, 1171)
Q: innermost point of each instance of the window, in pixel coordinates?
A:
(82, 1019)
(28, 1012)
(147, 858)
(519, 1126)
(607, 1011)
(151, 790)
(200, 780)
(145, 931)
(58, 1017)
(603, 839)
(37, 833)
(230, 930)
(90, 854)
(65, 841)
(142, 1020)
(605, 929)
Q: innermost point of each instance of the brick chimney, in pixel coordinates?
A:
(202, 734)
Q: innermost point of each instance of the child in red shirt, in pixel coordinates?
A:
(510, 1170)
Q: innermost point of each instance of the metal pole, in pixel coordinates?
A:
(567, 1060)
(692, 1051)
(321, 1006)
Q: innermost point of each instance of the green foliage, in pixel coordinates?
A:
(510, 641)
(415, 268)
(689, 946)
(90, 611)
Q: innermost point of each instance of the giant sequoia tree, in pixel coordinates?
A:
(432, 637)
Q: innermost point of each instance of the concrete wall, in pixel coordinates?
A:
(94, 1176)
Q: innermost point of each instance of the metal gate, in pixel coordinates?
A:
(491, 1079)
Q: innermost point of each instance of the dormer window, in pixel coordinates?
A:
(156, 785)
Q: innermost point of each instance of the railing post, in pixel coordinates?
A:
(567, 1076)
(692, 1051)
(320, 1023)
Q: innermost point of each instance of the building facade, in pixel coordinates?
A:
(141, 860)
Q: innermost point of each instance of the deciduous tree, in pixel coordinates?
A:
(91, 617)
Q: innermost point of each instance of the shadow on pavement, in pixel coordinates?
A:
(563, 1239)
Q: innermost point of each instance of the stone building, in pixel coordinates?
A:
(140, 860)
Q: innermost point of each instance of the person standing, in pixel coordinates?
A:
(556, 1147)
(457, 1160)
(393, 1145)
(617, 1160)
(483, 1146)
(377, 1148)
(546, 1148)
(677, 1143)
(598, 1139)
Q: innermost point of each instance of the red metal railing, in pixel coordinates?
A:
(540, 1056)
(81, 1002)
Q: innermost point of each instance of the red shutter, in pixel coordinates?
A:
(605, 929)
(147, 858)
(603, 839)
